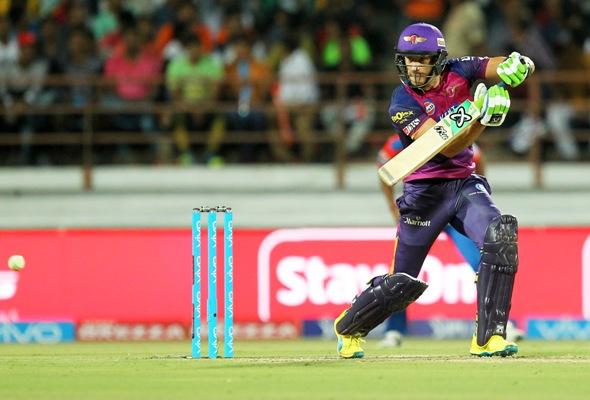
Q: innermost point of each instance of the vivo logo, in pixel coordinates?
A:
(451, 329)
(230, 269)
(43, 332)
(559, 329)
(230, 305)
(229, 234)
(229, 341)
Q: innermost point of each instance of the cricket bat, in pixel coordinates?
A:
(432, 142)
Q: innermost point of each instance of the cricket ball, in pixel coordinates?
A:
(16, 262)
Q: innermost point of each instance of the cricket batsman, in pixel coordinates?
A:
(444, 191)
(396, 324)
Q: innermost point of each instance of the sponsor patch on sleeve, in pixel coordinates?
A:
(409, 128)
(401, 116)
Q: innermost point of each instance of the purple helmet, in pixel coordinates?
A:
(420, 39)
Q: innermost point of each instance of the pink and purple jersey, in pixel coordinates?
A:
(408, 110)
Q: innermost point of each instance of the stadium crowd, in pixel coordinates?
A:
(253, 54)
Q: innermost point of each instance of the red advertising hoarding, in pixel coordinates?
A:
(279, 275)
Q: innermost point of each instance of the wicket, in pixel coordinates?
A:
(228, 334)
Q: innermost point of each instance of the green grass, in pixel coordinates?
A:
(303, 370)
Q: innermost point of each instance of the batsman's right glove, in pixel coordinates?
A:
(493, 104)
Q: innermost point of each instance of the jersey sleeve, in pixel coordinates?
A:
(405, 114)
(472, 68)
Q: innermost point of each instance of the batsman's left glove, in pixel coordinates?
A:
(515, 69)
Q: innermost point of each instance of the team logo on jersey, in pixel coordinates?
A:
(480, 187)
(414, 39)
(460, 117)
(480, 190)
(429, 107)
(401, 116)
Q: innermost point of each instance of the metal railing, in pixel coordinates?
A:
(533, 103)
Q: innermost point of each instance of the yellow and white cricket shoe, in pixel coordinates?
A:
(348, 346)
(496, 346)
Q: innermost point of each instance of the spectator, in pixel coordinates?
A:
(276, 37)
(166, 13)
(107, 20)
(52, 45)
(527, 37)
(430, 11)
(16, 10)
(149, 37)
(214, 25)
(346, 53)
(153, 38)
(181, 27)
(233, 28)
(248, 85)
(188, 22)
(298, 95)
(194, 79)
(554, 33)
(82, 65)
(77, 17)
(465, 29)
(21, 86)
(8, 43)
(112, 39)
(133, 72)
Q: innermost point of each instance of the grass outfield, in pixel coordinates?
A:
(302, 370)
